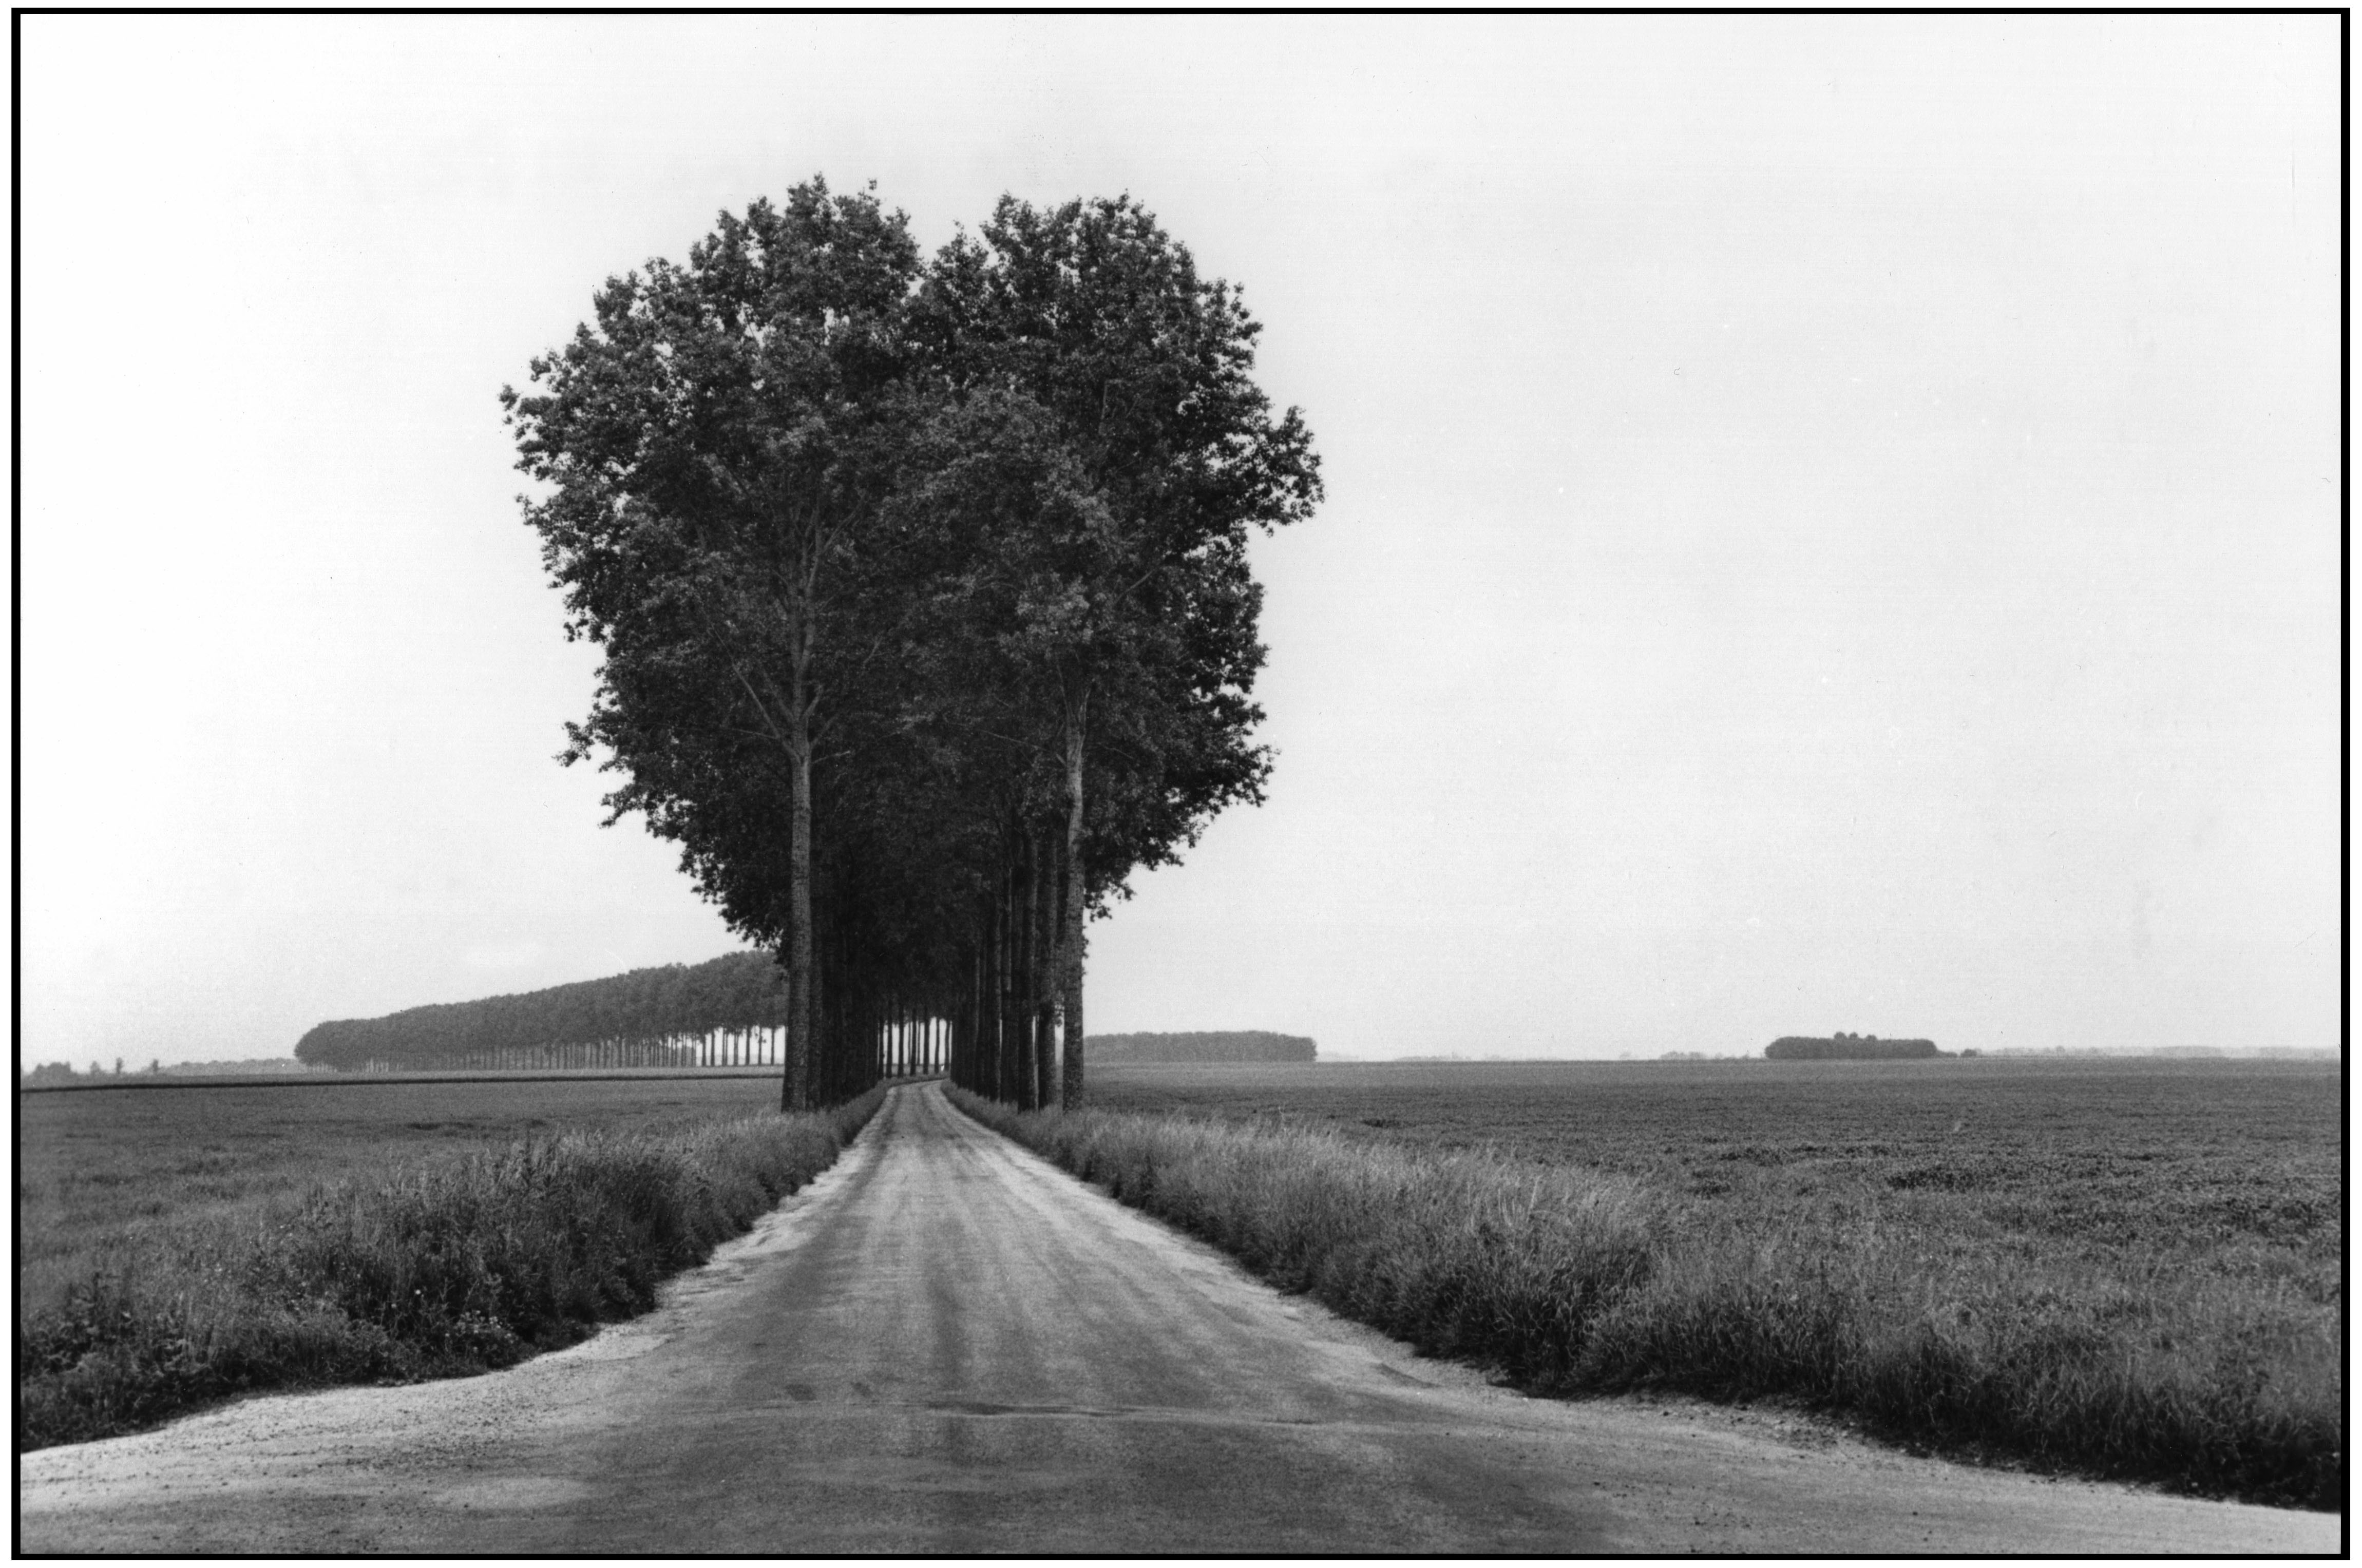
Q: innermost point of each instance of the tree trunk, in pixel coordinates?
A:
(964, 1026)
(1013, 1058)
(795, 1083)
(995, 1062)
(1042, 977)
(1070, 912)
(972, 1052)
(964, 1049)
(1029, 971)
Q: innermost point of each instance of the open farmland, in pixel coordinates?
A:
(2239, 1163)
(99, 1169)
(2127, 1267)
(183, 1246)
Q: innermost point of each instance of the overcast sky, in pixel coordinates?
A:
(1832, 522)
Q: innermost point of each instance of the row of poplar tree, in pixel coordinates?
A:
(715, 1014)
(923, 593)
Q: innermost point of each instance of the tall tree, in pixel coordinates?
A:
(926, 619)
(716, 445)
(1088, 357)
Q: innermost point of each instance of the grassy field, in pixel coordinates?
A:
(98, 1167)
(2130, 1268)
(2236, 1166)
(177, 1247)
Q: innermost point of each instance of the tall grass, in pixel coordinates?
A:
(461, 1268)
(1571, 1281)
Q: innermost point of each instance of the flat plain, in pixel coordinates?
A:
(2129, 1267)
(2234, 1164)
(98, 1169)
(947, 1347)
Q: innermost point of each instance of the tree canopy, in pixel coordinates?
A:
(923, 595)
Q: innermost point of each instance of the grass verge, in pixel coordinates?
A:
(1571, 1281)
(465, 1266)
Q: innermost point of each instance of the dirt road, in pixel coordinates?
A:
(944, 1344)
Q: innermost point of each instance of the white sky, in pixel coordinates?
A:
(1832, 522)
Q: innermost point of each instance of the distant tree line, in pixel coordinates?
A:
(727, 1012)
(58, 1073)
(1219, 1045)
(923, 594)
(246, 1067)
(63, 1072)
(255, 1066)
(1843, 1047)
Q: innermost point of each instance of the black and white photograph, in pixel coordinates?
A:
(1181, 784)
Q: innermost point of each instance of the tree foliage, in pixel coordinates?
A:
(665, 1016)
(1844, 1047)
(923, 595)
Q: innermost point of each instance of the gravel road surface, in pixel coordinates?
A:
(944, 1344)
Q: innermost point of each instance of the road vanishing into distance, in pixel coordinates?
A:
(945, 1345)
